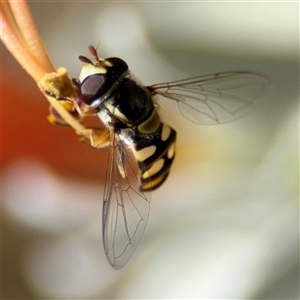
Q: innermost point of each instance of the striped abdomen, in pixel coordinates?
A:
(155, 153)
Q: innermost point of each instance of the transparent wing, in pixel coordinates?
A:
(216, 98)
(125, 206)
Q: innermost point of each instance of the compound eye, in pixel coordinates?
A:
(93, 87)
(97, 81)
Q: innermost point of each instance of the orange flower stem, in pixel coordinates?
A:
(19, 34)
(12, 41)
(31, 37)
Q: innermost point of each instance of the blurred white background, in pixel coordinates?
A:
(225, 224)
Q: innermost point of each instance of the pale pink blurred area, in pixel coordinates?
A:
(36, 197)
(225, 223)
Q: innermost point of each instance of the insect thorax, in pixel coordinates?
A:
(128, 106)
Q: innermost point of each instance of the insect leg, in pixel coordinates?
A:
(90, 137)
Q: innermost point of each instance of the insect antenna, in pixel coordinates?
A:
(94, 53)
(85, 60)
(99, 61)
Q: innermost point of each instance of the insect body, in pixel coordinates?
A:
(128, 110)
(142, 147)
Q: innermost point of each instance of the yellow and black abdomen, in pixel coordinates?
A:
(155, 154)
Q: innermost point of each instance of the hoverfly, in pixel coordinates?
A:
(142, 147)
